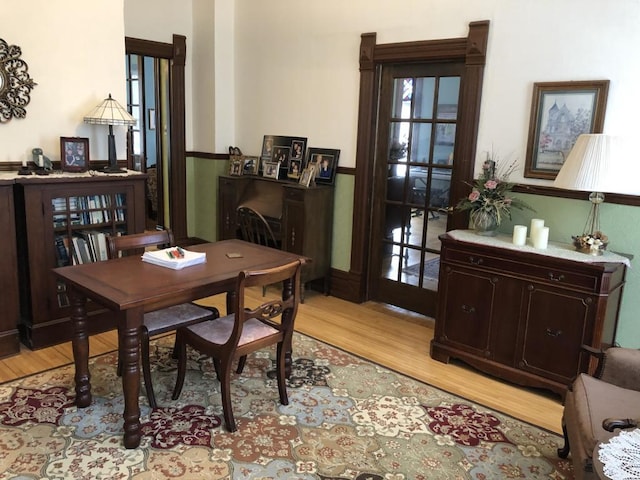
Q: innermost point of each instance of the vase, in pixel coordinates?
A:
(485, 223)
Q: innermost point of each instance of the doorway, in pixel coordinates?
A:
(150, 142)
(396, 186)
(169, 116)
(415, 152)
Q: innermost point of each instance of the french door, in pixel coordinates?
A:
(415, 157)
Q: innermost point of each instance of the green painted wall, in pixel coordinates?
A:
(564, 217)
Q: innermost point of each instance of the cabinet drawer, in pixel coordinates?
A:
(537, 272)
(295, 194)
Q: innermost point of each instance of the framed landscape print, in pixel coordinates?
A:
(560, 111)
(74, 154)
(325, 163)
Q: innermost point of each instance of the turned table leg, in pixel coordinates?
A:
(128, 335)
(80, 346)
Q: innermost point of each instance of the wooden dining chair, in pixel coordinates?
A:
(163, 320)
(245, 331)
(255, 228)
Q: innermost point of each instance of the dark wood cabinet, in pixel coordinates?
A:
(523, 315)
(62, 220)
(9, 315)
(302, 215)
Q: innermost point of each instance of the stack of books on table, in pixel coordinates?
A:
(174, 257)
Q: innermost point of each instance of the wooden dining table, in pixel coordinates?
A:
(130, 287)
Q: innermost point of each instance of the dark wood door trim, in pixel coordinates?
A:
(472, 49)
(176, 52)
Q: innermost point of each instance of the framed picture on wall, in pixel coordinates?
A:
(560, 112)
(325, 163)
(74, 154)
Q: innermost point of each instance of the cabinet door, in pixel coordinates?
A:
(466, 310)
(294, 222)
(229, 191)
(555, 324)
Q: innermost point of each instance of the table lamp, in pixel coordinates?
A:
(111, 113)
(596, 164)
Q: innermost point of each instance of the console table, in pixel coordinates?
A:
(522, 314)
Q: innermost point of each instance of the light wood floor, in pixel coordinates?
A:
(382, 333)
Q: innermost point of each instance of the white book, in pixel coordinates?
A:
(167, 258)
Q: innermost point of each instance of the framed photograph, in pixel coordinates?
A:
(74, 154)
(306, 177)
(235, 166)
(250, 165)
(271, 169)
(325, 163)
(284, 149)
(560, 111)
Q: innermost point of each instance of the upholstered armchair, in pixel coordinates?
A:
(596, 406)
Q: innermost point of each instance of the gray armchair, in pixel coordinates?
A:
(596, 406)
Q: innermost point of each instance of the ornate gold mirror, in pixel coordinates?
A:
(15, 83)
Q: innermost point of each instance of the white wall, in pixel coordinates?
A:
(297, 62)
(76, 62)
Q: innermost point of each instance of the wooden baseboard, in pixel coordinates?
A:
(347, 286)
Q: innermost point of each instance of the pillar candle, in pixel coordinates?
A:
(541, 238)
(536, 223)
(519, 235)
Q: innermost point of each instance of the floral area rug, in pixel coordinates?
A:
(347, 418)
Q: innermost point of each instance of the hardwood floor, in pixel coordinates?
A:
(381, 333)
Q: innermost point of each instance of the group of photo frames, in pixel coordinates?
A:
(283, 158)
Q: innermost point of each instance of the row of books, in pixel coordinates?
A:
(62, 204)
(82, 247)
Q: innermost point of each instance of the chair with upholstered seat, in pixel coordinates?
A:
(163, 320)
(245, 331)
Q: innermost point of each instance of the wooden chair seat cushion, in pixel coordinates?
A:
(591, 401)
(170, 318)
(218, 332)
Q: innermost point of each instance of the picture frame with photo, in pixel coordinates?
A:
(235, 166)
(325, 162)
(306, 177)
(270, 169)
(283, 149)
(250, 165)
(560, 112)
(74, 154)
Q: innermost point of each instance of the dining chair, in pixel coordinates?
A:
(159, 321)
(245, 331)
(255, 228)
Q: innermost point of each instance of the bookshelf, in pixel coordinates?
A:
(65, 220)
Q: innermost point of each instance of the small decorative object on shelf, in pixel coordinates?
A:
(489, 200)
(592, 243)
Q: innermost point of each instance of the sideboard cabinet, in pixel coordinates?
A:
(9, 315)
(522, 315)
(303, 216)
(63, 220)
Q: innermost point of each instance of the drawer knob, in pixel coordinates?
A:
(468, 309)
(555, 278)
(554, 333)
(475, 261)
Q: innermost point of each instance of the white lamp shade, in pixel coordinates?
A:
(599, 163)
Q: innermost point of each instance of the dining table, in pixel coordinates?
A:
(130, 287)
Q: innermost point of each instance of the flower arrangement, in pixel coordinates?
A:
(490, 200)
(594, 243)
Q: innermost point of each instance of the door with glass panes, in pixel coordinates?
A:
(415, 160)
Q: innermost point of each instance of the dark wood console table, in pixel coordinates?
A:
(522, 314)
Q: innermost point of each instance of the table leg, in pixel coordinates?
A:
(128, 336)
(287, 292)
(80, 346)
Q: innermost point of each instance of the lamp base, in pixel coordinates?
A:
(113, 162)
